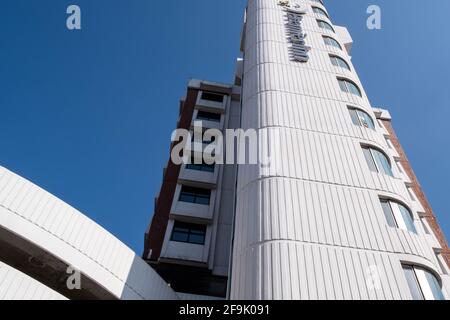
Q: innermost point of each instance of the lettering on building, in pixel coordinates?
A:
(294, 17)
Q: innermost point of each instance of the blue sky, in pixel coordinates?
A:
(87, 115)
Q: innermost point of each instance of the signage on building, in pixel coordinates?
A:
(294, 17)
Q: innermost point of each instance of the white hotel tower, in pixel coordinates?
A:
(337, 214)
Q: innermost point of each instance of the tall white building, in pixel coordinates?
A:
(336, 214)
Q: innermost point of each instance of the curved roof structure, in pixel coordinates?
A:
(42, 238)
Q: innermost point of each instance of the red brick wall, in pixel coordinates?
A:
(155, 238)
(429, 214)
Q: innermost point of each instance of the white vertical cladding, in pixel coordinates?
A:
(312, 226)
(52, 225)
(15, 285)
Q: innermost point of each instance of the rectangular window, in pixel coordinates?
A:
(389, 143)
(354, 116)
(413, 283)
(208, 116)
(188, 233)
(369, 159)
(388, 213)
(412, 195)
(400, 167)
(212, 96)
(425, 225)
(442, 263)
(200, 166)
(195, 195)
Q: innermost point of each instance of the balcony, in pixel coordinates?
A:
(195, 206)
(213, 102)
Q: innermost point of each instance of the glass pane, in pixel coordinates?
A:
(186, 197)
(366, 119)
(369, 159)
(201, 199)
(354, 116)
(388, 213)
(180, 236)
(197, 238)
(343, 85)
(413, 284)
(407, 218)
(334, 61)
(382, 162)
(435, 287)
(353, 89)
(343, 64)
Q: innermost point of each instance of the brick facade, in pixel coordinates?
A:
(429, 214)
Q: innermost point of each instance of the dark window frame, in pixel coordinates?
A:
(190, 231)
(195, 195)
(212, 96)
(208, 116)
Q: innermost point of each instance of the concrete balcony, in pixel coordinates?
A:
(202, 178)
(211, 102)
(186, 252)
(193, 212)
(207, 124)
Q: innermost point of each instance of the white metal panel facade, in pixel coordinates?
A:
(15, 285)
(311, 225)
(49, 223)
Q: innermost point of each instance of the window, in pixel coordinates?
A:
(425, 225)
(202, 138)
(442, 263)
(331, 42)
(195, 195)
(389, 142)
(339, 62)
(212, 96)
(422, 284)
(400, 167)
(377, 161)
(208, 116)
(320, 11)
(325, 25)
(411, 193)
(188, 233)
(200, 166)
(349, 87)
(361, 118)
(398, 216)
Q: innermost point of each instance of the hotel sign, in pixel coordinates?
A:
(294, 16)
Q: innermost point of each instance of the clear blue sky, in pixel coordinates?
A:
(87, 115)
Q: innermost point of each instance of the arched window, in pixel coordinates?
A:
(398, 216)
(320, 11)
(377, 161)
(349, 87)
(422, 283)
(325, 25)
(331, 42)
(361, 118)
(339, 62)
